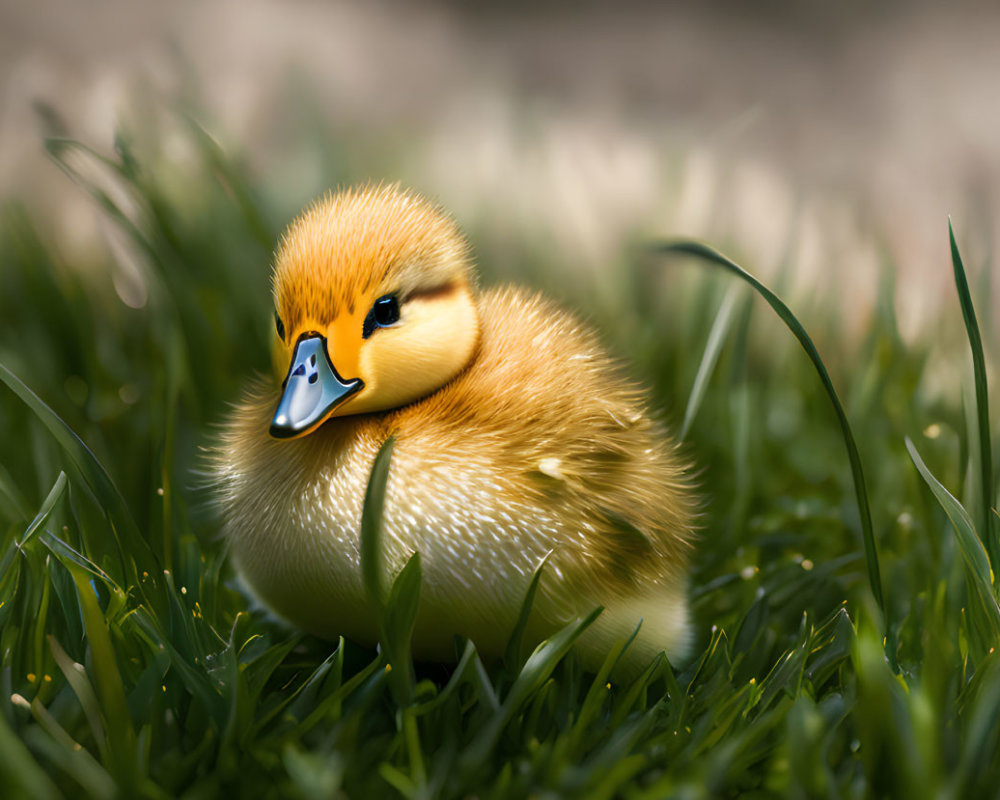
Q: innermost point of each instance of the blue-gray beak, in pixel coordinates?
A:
(312, 389)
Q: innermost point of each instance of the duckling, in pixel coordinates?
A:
(517, 436)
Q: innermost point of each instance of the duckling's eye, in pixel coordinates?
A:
(385, 312)
(279, 326)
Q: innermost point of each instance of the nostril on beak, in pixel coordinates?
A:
(314, 377)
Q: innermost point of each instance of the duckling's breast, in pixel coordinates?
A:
(292, 511)
(293, 521)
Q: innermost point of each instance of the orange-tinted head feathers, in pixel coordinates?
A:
(353, 246)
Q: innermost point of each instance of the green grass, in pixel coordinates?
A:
(847, 621)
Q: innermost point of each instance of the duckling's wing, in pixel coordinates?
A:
(558, 452)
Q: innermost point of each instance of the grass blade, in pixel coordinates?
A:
(397, 627)
(90, 468)
(75, 760)
(536, 671)
(977, 563)
(110, 687)
(987, 529)
(713, 347)
(401, 610)
(456, 680)
(48, 504)
(512, 655)
(706, 253)
(372, 568)
(20, 774)
(77, 678)
(395, 609)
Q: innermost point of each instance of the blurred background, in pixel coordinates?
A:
(826, 138)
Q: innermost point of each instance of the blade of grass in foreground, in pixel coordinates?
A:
(987, 529)
(700, 251)
(512, 655)
(111, 719)
(396, 628)
(535, 672)
(976, 562)
(371, 528)
(395, 610)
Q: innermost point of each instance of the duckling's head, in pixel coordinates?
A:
(373, 306)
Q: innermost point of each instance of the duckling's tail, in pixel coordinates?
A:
(665, 626)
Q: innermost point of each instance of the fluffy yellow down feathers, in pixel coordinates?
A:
(516, 434)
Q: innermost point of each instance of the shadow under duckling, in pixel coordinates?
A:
(516, 435)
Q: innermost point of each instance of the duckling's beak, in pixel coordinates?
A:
(312, 389)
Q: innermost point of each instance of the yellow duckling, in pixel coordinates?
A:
(516, 435)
